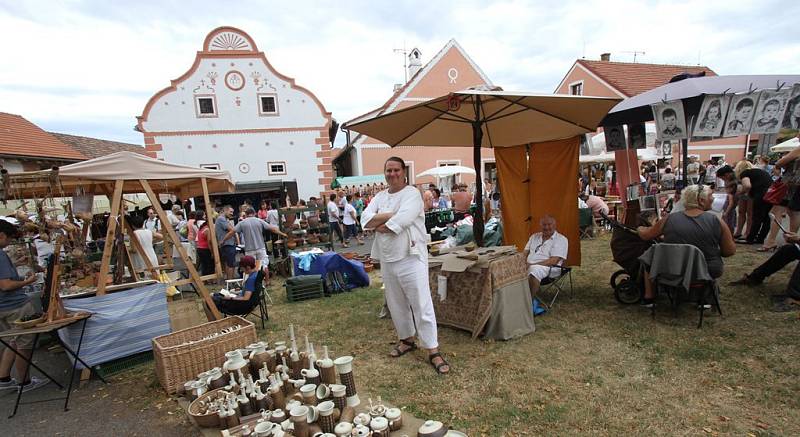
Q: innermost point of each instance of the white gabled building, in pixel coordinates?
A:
(233, 111)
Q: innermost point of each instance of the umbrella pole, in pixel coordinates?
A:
(477, 140)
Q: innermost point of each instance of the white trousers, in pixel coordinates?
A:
(541, 272)
(260, 255)
(408, 296)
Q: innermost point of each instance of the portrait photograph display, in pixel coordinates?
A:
(770, 111)
(670, 121)
(791, 118)
(615, 138)
(740, 114)
(711, 118)
(637, 136)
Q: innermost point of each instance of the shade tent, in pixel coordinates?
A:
(786, 146)
(483, 118)
(446, 170)
(100, 174)
(349, 181)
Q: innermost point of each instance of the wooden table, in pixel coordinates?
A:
(36, 332)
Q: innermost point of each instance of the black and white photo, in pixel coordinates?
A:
(670, 121)
(711, 118)
(791, 118)
(615, 138)
(740, 114)
(637, 136)
(770, 110)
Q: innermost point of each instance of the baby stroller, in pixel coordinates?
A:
(626, 248)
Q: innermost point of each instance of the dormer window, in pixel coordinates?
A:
(267, 104)
(205, 105)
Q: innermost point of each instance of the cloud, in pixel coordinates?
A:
(89, 67)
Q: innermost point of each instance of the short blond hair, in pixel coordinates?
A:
(741, 167)
(692, 194)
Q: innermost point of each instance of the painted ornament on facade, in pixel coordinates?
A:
(212, 76)
(234, 80)
(229, 41)
(244, 167)
(452, 74)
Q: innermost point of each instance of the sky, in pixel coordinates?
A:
(89, 67)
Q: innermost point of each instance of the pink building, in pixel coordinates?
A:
(449, 70)
(605, 78)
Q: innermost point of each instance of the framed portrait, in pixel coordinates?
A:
(665, 150)
(740, 114)
(615, 138)
(791, 118)
(670, 121)
(770, 111)
(637, 136)
(711, 118)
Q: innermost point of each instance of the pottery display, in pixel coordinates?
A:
(432, 428)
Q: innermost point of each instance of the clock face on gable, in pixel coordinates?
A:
(234, 80)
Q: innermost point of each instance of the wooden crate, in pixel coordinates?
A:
(182, 355)
(304, 287)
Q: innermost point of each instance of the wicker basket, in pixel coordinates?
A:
(205, 420)
(177, 361)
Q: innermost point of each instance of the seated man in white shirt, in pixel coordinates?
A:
(544, 250)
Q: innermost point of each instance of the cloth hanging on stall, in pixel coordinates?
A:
(553, 171)
(512, 174)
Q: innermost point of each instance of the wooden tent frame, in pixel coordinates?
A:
(30, 185)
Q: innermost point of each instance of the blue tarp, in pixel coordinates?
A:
(122, 323)
(333, 262)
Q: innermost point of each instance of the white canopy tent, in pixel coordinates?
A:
(786, 146)
(446, 170)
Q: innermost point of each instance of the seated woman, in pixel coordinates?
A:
(695, 226)
(247, 299)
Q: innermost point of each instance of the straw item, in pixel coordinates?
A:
(177, 360)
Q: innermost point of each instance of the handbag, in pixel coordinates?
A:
(776, 192)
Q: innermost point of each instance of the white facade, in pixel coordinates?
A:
(233, 111)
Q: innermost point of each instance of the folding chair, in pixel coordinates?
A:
(557, 282)
(257, 302)
(586, 223)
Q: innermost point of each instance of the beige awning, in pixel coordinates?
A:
(506, 118)
(98, 176)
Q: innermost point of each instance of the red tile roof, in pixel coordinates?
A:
(632, 79)
(95, 147)
(20, 137)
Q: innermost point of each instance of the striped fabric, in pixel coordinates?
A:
(122, 324)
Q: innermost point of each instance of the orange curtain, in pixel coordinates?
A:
(553, 174)
(627, 164)
(512, 175)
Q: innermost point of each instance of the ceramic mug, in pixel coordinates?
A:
(299, 417)
(309, 393)
(311, 375)
(265, 428)
(326, 419)
(323, 392)
(313, 414)
(344, 364)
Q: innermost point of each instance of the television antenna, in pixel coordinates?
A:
(404, 52)
(635, 53)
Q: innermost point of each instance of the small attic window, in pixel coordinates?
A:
(267, 104)
(206, 105)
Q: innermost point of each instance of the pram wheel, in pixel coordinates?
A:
(625, 289)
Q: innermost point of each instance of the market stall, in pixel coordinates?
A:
(112, 176)
(483, 291)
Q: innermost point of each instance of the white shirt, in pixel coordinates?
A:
(348, 219)
(333, 212)
(582, 204)
(408, 237)
(272, 217)
(557, 245)
(152, 224)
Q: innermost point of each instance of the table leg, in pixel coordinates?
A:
(76, 356)
(27, 372)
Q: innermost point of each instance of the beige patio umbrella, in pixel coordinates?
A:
(484, 118)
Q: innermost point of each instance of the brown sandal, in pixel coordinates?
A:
(397, 352)
(439, 366)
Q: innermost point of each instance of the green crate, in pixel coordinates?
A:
(304, 287)
(122, 364)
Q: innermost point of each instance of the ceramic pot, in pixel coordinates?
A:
(343, 429)
(235, 361)
(380, 427)
(395, 418)
(432, 428)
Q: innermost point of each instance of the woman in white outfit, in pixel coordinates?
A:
(398, 218)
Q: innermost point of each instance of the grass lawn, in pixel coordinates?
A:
(592, 367)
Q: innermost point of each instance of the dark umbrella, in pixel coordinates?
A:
(692, 91)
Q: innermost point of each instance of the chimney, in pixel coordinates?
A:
(605, 57)
(414, 62)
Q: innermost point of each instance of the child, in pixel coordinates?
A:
(712, 118)
(743, 110)
(769, 119)
(670, 118)
(729, 208)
